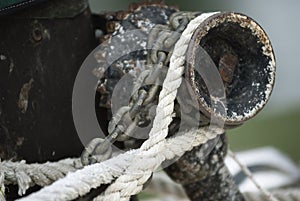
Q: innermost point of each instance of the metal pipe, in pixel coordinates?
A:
(242, 53)
(244, 57)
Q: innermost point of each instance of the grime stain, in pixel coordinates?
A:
(20, 141)
(227, 66)
(11, 66)
(24, 95)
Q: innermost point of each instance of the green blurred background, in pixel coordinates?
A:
(277, 124)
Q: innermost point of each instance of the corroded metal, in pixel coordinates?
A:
(203, 174)
(122, 125)
(142, 17)
(243, 54)
(41, 51)
(237, 45)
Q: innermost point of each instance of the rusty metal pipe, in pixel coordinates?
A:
(203, 174)
(244, 57)
(242, 53)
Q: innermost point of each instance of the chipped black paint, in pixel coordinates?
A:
(251, 75)
(242, 53)
(242, 64)
(36, 82)
(130, 33)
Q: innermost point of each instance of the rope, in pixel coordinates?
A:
(163, 185)
(131, 183)
(2, 186)
(268, 196)
(282, 195)
(72, 164)
(132, 169)
(25, 175)
(79, 183)
(128, 172)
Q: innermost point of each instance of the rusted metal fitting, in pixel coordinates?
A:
(37, 35)
(236, 45)
(244, 57)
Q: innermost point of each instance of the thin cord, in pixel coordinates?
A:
(268, 195)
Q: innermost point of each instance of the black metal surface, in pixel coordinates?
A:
(40, 54)
(39, 62)
(203, 174)
(238, 53)
(137, 25)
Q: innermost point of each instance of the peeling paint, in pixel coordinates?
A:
(24, 96)
(46, 34)
(11, 66)
(20, 141)
(258, 89)
(2, 57)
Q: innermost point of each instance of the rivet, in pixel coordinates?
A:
(37, 35)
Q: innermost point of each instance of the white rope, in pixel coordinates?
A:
(171, 83)
(26, 175)
(132, 169)
(132, 182)
(128, 171)
(2, 186)
(79, 183)
(138, 173)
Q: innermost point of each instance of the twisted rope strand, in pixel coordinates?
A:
(130, 170)
(26, 175)
(131, 182)
(267, 195)
(153, 151)
(2, 186)
(79, 183)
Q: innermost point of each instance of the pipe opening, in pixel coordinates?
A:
(243, 56)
